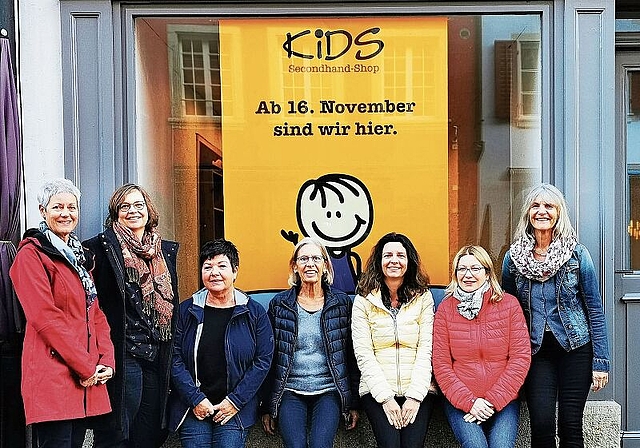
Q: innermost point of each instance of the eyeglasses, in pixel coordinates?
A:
(473, 269)
(125, 207)
(305, 259)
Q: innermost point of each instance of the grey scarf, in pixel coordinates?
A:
(470, 302)
(74, 253)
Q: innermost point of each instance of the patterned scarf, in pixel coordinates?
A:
(470, 302)
(144, 264)
(559, 252)
(73, 252)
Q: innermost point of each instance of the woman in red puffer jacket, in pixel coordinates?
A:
(481, 353)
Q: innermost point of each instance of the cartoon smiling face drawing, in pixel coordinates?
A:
(336, 209)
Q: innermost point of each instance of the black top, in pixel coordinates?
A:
(141, 337)
(212, 360)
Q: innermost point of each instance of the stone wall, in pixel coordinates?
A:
(601, 430)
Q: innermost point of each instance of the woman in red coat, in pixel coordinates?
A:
(481, 353)
(68, 354)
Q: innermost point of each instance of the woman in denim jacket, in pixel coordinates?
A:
(553, 277)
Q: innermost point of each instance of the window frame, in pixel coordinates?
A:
(175, 33)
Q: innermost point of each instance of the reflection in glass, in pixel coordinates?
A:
(495, 144)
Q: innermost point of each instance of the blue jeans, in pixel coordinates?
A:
(206, 433)
(59, 433)
(309, 420)
(387, 436)
(143, 416)
(563, 377)
(499, 431)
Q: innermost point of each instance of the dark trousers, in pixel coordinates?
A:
(387, 436)
(143, 413)
(12, 420)
(558, 376)
(59, 433)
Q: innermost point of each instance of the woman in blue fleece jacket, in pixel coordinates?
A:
(223, 346)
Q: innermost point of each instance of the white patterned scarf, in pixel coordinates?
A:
(559, 252)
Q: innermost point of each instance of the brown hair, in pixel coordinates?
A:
(117, 198)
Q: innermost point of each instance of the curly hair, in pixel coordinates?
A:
(415, 281)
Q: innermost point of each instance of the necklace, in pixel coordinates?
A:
(542, 253)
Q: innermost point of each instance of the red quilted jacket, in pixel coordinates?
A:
(487, 357)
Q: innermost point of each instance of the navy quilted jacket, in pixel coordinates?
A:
(336, 324)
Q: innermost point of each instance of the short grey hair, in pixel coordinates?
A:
(54, 187)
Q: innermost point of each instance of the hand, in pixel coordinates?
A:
(600, 379)
(89, 381)
(470, 419)
(353, 420)
(393, 412)
(268, 424)
(409, 411)
(481, 410)
(92, 380)
(225, 411)
(103, 374)
(203, 409)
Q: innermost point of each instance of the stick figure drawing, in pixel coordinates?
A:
(337, 210)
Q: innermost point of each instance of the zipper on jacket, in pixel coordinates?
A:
(395, 333)
(329, 362)
(234, 317)
(289, 367)
(86, 316)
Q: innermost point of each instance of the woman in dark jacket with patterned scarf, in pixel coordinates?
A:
(135, 275)
(314, 375)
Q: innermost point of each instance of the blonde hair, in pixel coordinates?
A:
(294, 277)
(485, 260)
(551, 195)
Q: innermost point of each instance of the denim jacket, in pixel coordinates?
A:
(249, 350)
(579, 303)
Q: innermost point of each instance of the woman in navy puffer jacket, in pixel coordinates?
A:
(314, 376)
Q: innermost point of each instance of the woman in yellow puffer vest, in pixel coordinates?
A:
(392, 328)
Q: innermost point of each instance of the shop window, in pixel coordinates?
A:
(492, 93)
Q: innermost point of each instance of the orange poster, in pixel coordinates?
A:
(337, 129)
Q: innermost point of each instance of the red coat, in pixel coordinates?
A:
(486, 357)
(63, 343)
